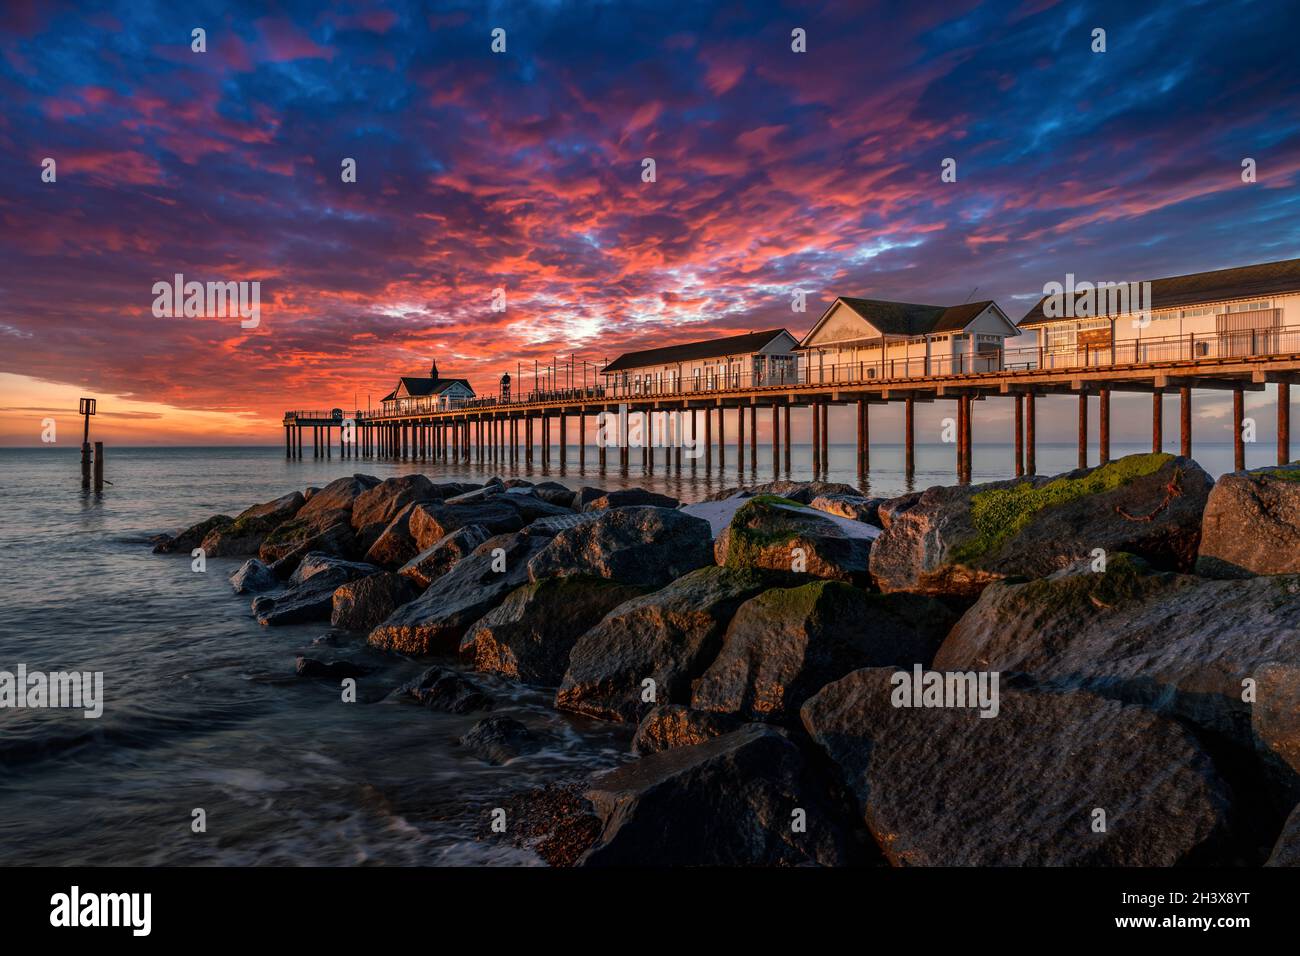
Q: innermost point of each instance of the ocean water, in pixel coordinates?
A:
(197, 714)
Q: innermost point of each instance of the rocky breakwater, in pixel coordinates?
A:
(1051, 671)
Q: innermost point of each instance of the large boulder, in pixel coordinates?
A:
(532, 506)
(375, 508)
(1181, 645)
(855, 507)
(674, 725)
(440, 557)
(253, 576)
(311, 592)
(395, 544)
(499, 739)
(944, 786)
(245, 534)
(628, 498)
(554, 493)
(956, 540)
(667, 637)
(436, 621)
(432, 521)
(320, 531)
(787, 643)
(801, 491)
(339, 495)
(362, 604)
(638, 545)
(529, 635)
(189, 539)
(730, 801)
(779, 534)
(1252, 524)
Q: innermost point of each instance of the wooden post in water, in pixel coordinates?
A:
(909, 436)
(582, 440)
(86, 408)
(1283, 423)
(1185, 421)
(776, 440)
(962, 411)
(1103, 425)
(816, 440)
(99, 467)
(564, 439)
(1238, 440)
(1083, 429)
(722, 438)
(740, 439)
(1157, 421)
(708, 439)
(1031, 444)
(753, 437)
(1019, 430)
(786, 449)
(826, 437)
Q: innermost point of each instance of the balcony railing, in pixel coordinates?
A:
(1192, 347)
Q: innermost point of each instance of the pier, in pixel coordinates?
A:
(513, 430)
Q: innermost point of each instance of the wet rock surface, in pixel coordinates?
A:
(1252, 524)
(641, 545)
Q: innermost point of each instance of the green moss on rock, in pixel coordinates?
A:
(758, 526)
(999, 514)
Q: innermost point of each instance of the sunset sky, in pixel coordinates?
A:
(776, 171)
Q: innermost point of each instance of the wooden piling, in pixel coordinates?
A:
(740, 438)
(1103, 425)
(1019, 431)
(1238, 439)
(826, 437)
(816, 440)
(1083, 429)
(1283, 423)
(788, 438)
(909, 436)
(1185, 421)
(753, 437)
(1031, 418)
(1157, 421)
(776, 440)
(99, 467)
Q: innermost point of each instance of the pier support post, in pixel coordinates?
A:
(740, 438)
(708, 439)
(722, 438)
(1103, 425)
(753, 437)
(776, 440)
(1238, 440)
(1283, 423)
(816, 440)
(862, 438)
(909, 436)
(1083, 429)
(1185, 421)
(786, 449)
(1157, 421)
(1019, 454)
(961, 439)
(826, 437)
(564, 439)
(582, 440)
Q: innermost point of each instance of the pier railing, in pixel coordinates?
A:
(1199, 347)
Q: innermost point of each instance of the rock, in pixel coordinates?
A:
(788, 643)
(550, 527)
(395, 545)
(673, 725)
(726, 802)
(956, 540)
(585, 496)
(529, 635)
(555, 821)
(192, 537)
(309, 491)
(361, 604)
(439, 558)
(436, 620)
(477, 495)
(311, 591)
(1275, 720)
(766, 532)
(1287, 850)
(253, 576)
(554, 493)
(1252, 524)
(339, 495)
(430, 522)
(896, 506)
(517, 483)
(943, 786)
(1177, 644)
(375, 508)
(634, 545)
(245, 534)
(440, 688)
(321, 531)
(669, 636)
(628, 498)
(499, 739)
(530, 507)
(328, 670)
(802, 492)
(854, 507)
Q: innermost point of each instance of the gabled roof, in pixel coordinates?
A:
(417, 387)
(909, 319)
(1202, 288)
(709, 348)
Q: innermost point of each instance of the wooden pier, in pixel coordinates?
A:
(519, 431)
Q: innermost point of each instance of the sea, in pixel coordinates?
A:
(202, 721)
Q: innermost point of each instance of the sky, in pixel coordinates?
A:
(775, 171)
